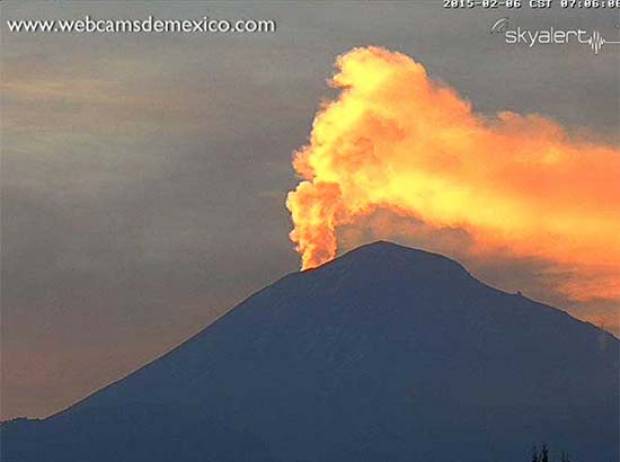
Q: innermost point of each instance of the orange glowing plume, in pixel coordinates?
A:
(397, 140)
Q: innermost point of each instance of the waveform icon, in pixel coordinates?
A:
(597, 42)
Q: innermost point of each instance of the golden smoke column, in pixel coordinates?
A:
(396, 140)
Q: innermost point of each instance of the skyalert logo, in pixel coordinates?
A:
(550, 36)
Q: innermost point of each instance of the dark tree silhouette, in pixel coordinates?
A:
(535, 454)
(544, 454)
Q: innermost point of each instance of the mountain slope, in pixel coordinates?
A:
(385, 354)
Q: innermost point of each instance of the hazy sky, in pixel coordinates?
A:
(144, 175)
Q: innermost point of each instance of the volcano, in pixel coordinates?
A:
(384, 354)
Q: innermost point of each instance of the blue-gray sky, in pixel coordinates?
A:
(144, 175)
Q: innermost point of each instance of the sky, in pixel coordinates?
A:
(144, 176)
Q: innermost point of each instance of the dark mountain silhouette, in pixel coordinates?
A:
(384, 354)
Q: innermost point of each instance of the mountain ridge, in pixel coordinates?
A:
(385, 353)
